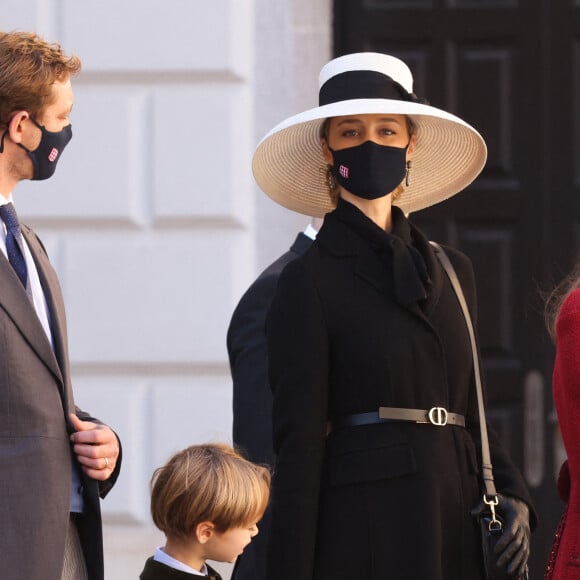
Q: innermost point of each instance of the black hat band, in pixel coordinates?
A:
(362, 84)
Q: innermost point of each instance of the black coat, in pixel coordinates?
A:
(375, 501)
(158, 571)
(252, 397)
(248, 356)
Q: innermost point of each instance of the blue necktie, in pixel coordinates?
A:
(14, 247)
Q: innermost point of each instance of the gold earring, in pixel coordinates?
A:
(330, 180)
(408, 174)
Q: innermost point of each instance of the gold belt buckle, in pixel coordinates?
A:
(438, 416)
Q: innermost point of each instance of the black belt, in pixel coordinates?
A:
(438, 416)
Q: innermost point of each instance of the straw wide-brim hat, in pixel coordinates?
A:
(288, 164)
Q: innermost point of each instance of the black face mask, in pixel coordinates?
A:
(369, 170)
(46, 155)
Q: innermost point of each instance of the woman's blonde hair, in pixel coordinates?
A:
(333, 190)
(209, 482)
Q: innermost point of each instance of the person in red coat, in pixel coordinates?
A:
(564, 562)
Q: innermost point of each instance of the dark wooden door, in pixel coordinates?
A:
(512, 70)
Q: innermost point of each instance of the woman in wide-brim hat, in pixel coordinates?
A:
(368, 319)
(289, 164)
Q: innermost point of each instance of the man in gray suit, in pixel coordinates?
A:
(55, 460)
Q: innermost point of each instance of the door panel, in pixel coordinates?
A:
(497, 65)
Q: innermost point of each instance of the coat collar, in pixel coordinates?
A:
(342, 241)
(338, 239)
(301, 244)
(347, 231)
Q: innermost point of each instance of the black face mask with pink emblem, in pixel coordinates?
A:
(46, 155)
(369, 170)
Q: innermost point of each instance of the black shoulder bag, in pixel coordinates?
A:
(490, 522)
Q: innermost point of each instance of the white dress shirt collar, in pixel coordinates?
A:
(310, 232)
(164, 558)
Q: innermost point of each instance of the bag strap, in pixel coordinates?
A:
(487, 470)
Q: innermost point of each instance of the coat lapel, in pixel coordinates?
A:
(342, 241)
(301, 244)
(15, 302)
(55, 359)
(369, 268)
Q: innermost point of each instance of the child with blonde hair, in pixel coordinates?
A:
(207, 500)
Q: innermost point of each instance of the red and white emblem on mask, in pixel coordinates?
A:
(343, 171)
(53, 154)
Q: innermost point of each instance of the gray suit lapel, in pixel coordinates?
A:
(15, 302)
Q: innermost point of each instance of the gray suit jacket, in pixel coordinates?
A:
(35, 452)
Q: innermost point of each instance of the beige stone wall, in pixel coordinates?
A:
(153, 220)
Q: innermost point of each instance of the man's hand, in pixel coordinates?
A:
(96, 448)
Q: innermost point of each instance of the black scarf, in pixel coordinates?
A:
(395, 249)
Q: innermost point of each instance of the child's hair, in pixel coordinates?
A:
(209, 482)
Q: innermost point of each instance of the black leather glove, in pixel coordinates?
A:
(513, 548)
